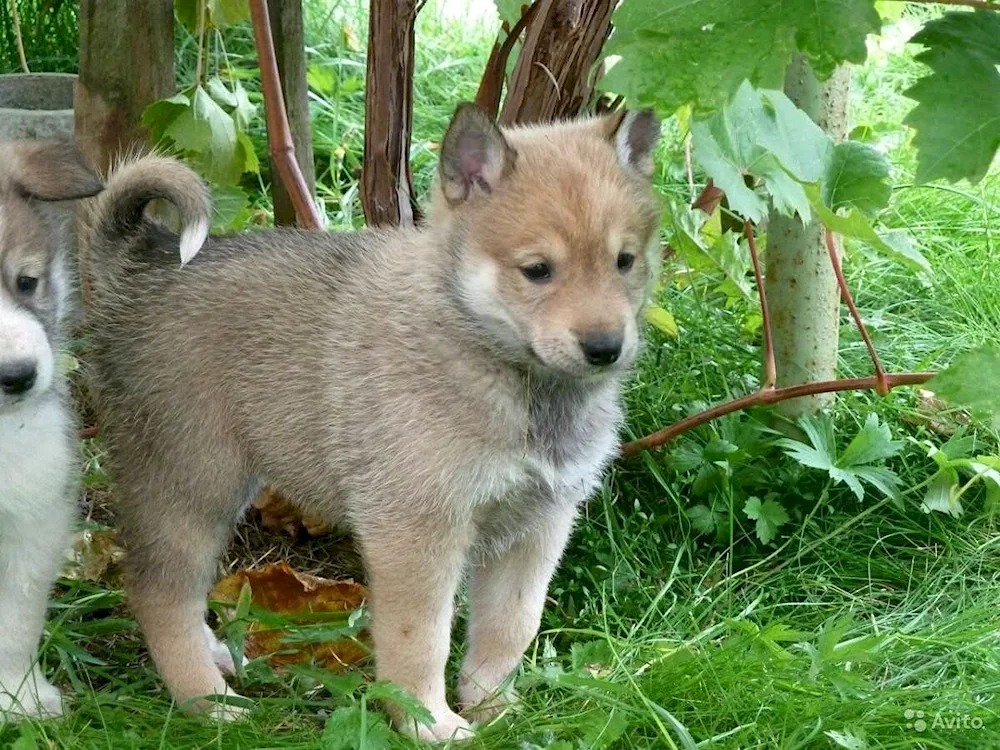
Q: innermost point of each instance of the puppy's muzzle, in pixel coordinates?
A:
(17, 378)
(602, 348)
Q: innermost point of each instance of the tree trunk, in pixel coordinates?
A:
(126, 63)
(554, 76)
(386, 181)
(801, 285)
(290, 51)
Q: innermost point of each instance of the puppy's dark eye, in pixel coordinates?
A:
(625, 261)
(537, 272)
(27, 284)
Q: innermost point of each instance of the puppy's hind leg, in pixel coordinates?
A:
(174, 542)
(31, 548)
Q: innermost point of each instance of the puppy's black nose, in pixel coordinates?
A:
(602, 348)
(17, 377)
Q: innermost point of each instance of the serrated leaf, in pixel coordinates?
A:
(388, 691)
(703, 246)
(957, 117)
(895, 245)
(872, 443)
(246, 156)
(207, 130)
(855, 177)
(160, 115)
(662, 320)
(677, 52)
(346, 726)
(769, 515)
(230, 208)
(702, 519)
(972, 382)
(762, 134)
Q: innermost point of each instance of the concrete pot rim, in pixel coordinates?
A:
(50, 77)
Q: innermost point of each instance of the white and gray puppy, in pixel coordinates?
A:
(38, 463)
(450, 393)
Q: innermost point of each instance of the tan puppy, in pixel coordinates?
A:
(450, 393)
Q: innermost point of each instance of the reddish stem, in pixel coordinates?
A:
(882, 386)
(763, 398)
(279, 133)
(770, 368)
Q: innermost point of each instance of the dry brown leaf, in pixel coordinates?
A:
(936, 415)
(280, 589)
(277, 513)
(95, 556)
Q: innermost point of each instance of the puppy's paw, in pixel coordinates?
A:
(36, 698)
(227, 713)
(446, 727)
(221, 654)
(482, 706)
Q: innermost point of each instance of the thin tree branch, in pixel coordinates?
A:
(763, 398)
(770, 368)
(980, 4)
(278, 131)
(882, 386)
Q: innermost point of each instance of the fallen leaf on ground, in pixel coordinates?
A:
(282, 590)
(935, 414)
(277, 513)
(95, 556)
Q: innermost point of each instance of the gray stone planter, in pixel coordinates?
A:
(36, 105)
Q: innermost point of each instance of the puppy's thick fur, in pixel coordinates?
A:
(450, 393)
(37, 448)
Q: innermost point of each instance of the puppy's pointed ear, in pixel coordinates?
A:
(475, 157)
(50, 171)
(634, 136)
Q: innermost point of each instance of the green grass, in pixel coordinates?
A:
(859, 615)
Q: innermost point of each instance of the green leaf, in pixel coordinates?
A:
(346, 725)
(677, 52)
(388, 691)
(972, 382)
(769, 515)
(942, 494)
(873, 443)
(737, 142)
(957, 117)
(209, 132)
(855, 177)
(510, 10)
(895, 245)
(230, 208)
(218, 13)
(160, 115)
(703, 247)
(662, 320)
(702, 519)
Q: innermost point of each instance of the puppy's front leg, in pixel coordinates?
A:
(414, 566)
(506, 597)
(31, 549)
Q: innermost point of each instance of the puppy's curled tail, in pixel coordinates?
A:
(116, 215)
